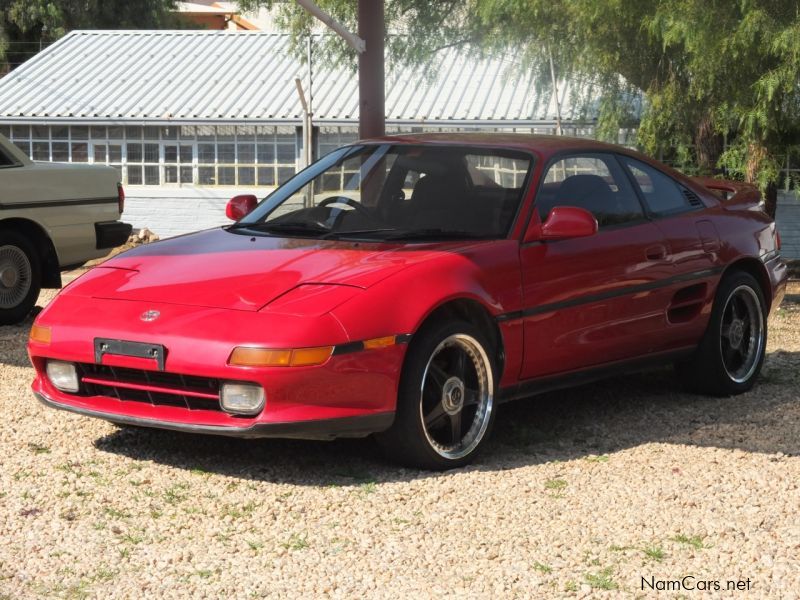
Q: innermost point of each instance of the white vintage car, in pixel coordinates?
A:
(53, 217)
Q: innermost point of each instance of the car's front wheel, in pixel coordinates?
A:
(20, 277)
(446, 401)
(732, 351)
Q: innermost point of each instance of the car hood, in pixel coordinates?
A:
(222, 269)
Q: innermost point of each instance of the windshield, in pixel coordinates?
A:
(394, 192)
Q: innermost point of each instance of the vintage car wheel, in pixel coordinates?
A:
(732, 351)
(446, 403)
(20, 277)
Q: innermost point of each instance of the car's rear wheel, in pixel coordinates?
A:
(446, 402)
(732, 351)
(20, 277)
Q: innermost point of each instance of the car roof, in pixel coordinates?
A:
(544, 145)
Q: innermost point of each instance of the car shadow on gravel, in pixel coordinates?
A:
(593, 420)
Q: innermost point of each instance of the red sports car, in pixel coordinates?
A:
(406, 286)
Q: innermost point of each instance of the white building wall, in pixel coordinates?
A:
(170, 211)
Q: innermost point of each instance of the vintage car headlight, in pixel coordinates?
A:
(242, 398)
(63, 375)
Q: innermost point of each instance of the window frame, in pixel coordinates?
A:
(108, 144)
(275, 198)
(610, 155)
(501, 151)
(651, 214)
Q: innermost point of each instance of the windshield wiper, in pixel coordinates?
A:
(355, 232)
(436, 234)
(284, 227)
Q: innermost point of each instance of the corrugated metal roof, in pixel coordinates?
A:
(193, 76)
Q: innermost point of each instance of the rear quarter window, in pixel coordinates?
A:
(662, 195)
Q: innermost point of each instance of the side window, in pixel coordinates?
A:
(5, 161)
(662, 195)
(594, 182)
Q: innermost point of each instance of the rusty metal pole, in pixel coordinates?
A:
(371, 93)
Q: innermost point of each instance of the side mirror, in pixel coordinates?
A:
(240, 206)
(566, 222)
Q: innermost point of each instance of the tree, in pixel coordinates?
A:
(417, 28)
(26, 24)
(708, 70)
(742, 59)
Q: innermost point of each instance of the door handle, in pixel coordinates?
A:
(657, 252)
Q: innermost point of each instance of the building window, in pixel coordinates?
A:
(331, 138)
(205, 155)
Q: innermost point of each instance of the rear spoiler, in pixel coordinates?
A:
(733, 195)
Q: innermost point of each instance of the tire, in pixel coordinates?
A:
(449, 379)
(730, 355)
(20, 277)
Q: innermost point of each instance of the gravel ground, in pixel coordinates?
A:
(581, 493)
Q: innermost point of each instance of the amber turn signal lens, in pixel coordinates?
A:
(381, 342)
(303, 357)
(260, 357)
(265, 357)
(42, 335)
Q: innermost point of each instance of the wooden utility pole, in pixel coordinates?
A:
(371, 92)
(369, 45)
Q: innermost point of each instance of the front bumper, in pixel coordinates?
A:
(319, 429)
(353, 394)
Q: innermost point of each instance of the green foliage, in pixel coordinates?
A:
(602, 580)
(24, 24)
(419, 28)
(707, 71)
(738, 156)
(62, 17)
(694, 541)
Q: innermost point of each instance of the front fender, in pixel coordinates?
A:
(486, 273)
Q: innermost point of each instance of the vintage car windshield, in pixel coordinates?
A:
(398, 192)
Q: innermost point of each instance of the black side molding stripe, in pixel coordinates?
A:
(52, 203)
(351, 347)
(510, 316)
(633, 289)
(348, 348)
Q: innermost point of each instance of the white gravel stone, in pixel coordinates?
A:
(581, 494)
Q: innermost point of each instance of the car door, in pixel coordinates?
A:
(597, 299)
(694, 249)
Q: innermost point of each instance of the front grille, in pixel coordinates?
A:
(151, 387)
